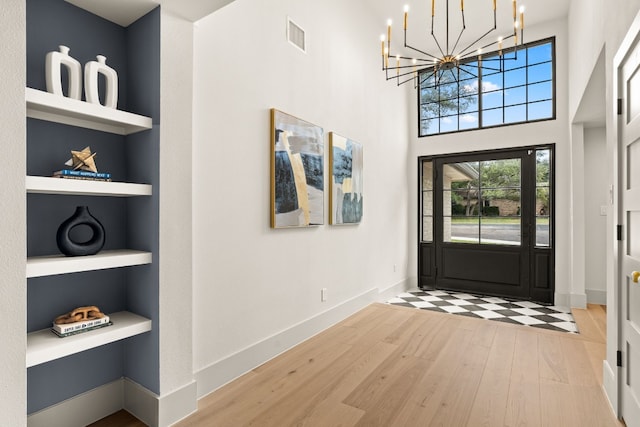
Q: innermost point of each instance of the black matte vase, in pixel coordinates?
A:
(71, 248)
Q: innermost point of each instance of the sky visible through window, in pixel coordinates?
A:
(516, 91)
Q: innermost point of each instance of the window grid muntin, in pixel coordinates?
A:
(510, 66)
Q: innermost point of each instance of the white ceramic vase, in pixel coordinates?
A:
(91, 93)
(53, 63)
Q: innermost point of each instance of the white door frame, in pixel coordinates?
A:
(620, 275)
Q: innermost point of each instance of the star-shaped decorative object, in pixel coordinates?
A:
(82, 160)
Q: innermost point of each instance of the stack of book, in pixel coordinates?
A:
(69, 329)
(79, 174)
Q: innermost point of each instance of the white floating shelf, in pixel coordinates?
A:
(60, 264)
(44, 346)
(60, 109)
(48, 185)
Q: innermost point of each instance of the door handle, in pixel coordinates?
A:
(635, 275)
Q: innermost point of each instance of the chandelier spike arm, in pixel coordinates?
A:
(464, 27)
(422, 52)
(464, 70)
(439, 63)
(398, 76)
(438, 44)
(465, 51)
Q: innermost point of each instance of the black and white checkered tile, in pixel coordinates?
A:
(517, 312)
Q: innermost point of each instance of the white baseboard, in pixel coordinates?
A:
(157, 411)
(179, 404)
(82, 409)
(570, 300)
(610, 385)
(385, 295)
(89, 407)
(596, 297)
(225, 370)
(578, 301)
(141, 402)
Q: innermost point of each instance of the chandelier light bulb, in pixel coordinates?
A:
(522, 9)
(406, 15)
(414, 61)
(389, 22)
(382, 37)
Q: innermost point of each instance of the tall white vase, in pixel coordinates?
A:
(91, 71)
(53, 63)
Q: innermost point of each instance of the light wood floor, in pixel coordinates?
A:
(395, 366)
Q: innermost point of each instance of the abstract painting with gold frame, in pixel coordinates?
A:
(345, 185)
(297, 172)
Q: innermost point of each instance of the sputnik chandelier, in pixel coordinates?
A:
(453, 59)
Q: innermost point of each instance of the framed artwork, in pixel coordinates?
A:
(345, 186)
(297, 172)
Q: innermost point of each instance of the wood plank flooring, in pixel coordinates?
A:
(395, 366)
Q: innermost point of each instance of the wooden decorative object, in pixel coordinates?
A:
(83, 160)
(80, 314)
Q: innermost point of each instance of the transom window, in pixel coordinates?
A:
(489, 92)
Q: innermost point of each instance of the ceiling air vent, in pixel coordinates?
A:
(296, 35)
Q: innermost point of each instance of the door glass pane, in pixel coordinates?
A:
(427, 229)
(427, 176)
(460, 203)
(427, 202)
(543, 198)
(542, 231)
(502, 230)
(543, 161)
(500, 221)
(501, 202)
(543, 218)
(462, 229)
(500, 173)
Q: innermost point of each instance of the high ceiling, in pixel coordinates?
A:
(478, 19)
(125, 12)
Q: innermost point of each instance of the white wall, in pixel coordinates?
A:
(13, 302)
(595, 230)
(252, 283)
(547, 132)
(177, 385)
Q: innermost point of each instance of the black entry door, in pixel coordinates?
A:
(486, 223)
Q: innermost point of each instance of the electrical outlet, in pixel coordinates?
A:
(603, 210)
(323, 294)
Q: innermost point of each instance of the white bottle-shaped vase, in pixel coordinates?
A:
(91, 71)
(53, 63)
